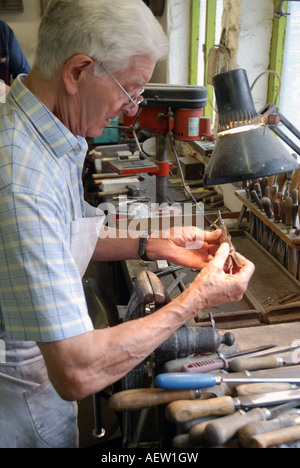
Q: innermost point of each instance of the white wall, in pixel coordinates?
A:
(25, 26)
(249, 26)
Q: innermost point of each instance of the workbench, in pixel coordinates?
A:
(268, 313)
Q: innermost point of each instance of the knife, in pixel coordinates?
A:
(186, 410)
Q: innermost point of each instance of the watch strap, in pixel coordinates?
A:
(142, 247)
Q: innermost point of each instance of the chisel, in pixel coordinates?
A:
(185, 410)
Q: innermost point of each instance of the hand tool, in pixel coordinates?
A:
(185, 381)
(175, 283)
(269, 439)
(267, 206)
(175, 365)
(140, 398)
(226, 237)
(186, 410)
(288, 419)
(250, 389)
(288, 206)
(220, 430)
(235, 364)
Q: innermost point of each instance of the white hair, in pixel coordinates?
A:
(109, 31)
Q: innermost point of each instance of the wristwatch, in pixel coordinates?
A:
(142, 247)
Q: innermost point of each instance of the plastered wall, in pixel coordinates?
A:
(248, 24)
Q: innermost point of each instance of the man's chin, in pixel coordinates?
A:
(95, 133)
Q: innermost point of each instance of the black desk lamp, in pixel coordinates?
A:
(245, 147)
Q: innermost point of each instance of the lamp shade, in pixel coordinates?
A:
(245, 148)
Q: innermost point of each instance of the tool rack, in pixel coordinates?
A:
(273, 236)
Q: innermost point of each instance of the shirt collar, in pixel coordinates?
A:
(57, 135)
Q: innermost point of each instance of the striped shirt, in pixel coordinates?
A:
(41, 293)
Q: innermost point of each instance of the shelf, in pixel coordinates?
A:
(277, 228)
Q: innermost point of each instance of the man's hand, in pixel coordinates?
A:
(217, 287)
(188, 246)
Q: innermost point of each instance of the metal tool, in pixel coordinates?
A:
(185, 410)
(251, 362)
(185, 381)
(208, 363)
(233, 256)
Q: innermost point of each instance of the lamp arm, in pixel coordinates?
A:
(285, 138)
(271, 116)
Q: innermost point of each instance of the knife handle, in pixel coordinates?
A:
(185, 410)
(280, 436)
(140, 398)
(219, 431)
(255, 363)
(249, 430)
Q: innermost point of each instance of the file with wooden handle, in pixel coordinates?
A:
(184, 410)
(249, 430)
(280, 436)
(140, 398)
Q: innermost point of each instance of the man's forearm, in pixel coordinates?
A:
(83, 365)
(116, 245)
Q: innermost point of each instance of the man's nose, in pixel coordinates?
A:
(132, 111)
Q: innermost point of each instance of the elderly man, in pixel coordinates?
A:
(92, 61)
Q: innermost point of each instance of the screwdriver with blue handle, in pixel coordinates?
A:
(185, 381)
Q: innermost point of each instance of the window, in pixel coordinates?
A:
(206, 24)
(290, 91)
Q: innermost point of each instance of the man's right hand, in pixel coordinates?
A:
(213, 286)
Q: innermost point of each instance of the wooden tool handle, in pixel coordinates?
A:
(287, 434)
(267, 362)
(183, 411)
(253, 388)
(288, 206)
(219, 431)
(136, 399)
(196, 433)
(261, 427)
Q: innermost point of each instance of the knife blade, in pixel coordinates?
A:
(186, 410)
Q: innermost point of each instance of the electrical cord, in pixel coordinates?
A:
(184, 184)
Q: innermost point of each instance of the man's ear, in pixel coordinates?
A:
(75, 70)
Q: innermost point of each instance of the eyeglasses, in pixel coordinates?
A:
(135, 100)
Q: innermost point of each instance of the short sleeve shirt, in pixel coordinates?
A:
(41, 293)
